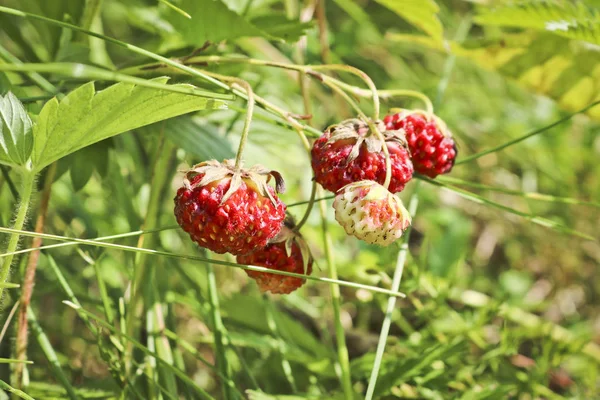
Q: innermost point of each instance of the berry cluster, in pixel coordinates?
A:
(349, 160)
(228, 209)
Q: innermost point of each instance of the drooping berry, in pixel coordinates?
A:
(349, 152)
(287, 252)
(432, 148)
(229, 209)
(370, 212)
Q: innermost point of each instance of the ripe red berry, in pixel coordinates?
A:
(432, 148)
(288, 252)
(370, 212)
(229, 209)
(348, 152)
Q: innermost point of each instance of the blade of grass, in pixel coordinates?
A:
(533, 218)
(34, 76)
(50, 354)
(11, 314)
(81, 311)
(19, 393)
(14, 361)
(281, 347)
(128, 46)
(527, 195)
(526, 136)
(557, 333)
(219, 333)
(77, 70)
(330, 281)
(387, 321)
(106, 302)
(342, 349)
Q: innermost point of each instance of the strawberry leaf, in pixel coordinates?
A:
(420, 13)
(16, 139)
(85, 116)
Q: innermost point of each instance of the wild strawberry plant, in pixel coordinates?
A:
(144, 148)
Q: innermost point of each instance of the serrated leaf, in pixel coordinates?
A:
(85, 117)
(213, 21)
(420, 13)
(16, 141)
(571, 19)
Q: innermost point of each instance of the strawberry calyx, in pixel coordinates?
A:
(359, 131)
(291, 236)
(256, 177)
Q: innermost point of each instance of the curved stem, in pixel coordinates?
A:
(366, 78)
(311, 203)
(408, 93)
(26, 193)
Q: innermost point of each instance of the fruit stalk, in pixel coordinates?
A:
(247, 121)
(27, 189)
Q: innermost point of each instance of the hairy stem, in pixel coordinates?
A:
(27, 189)
(29, 278)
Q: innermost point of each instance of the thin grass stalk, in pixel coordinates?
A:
(391, 304)
(201, 393)
(50, 354)
(144, 271)
(219, 333)
(342, 349)
(86, 242)
(281, 347)
(19, 393)
(526, 136)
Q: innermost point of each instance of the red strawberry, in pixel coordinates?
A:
(229, 209)
(432, 148)
(349, 152)
(370, 212)
(287, 252)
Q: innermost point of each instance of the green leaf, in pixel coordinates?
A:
(85, 161)
(37, 39)
(199, 139)
(85, 117)
(16, 141)
(420, 13)
(255, 395)
(571, 19)
(212, 21)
